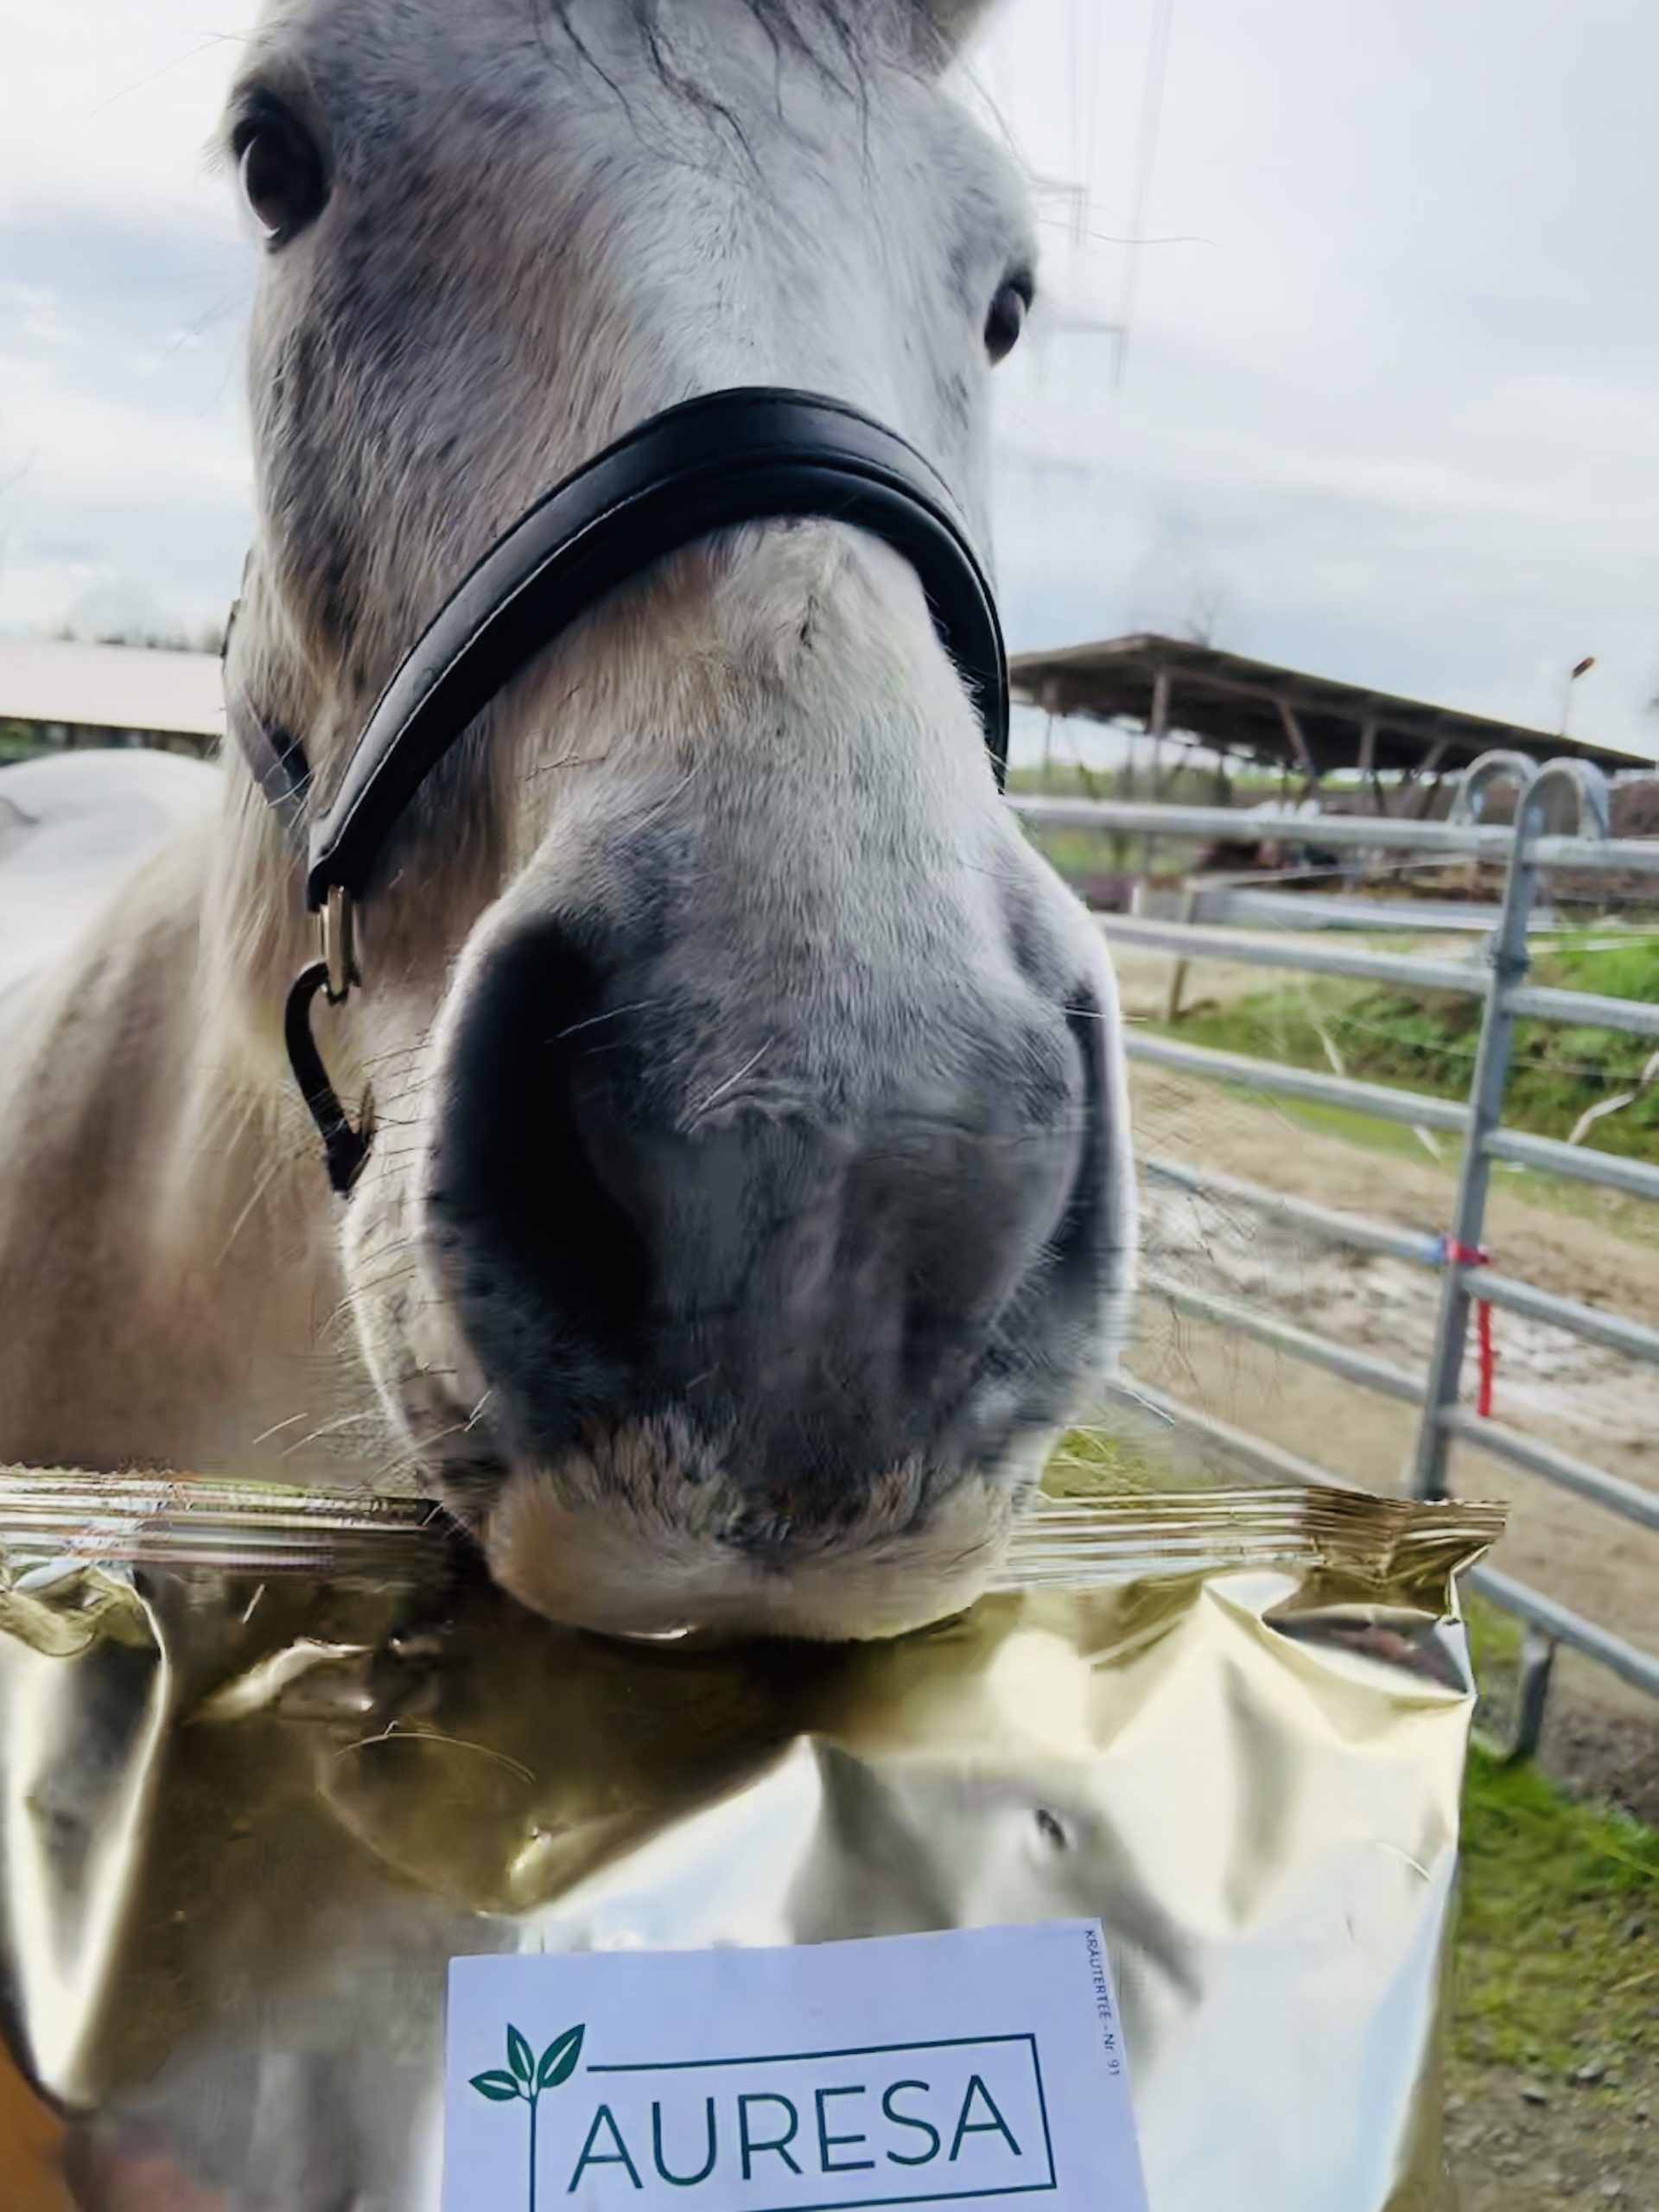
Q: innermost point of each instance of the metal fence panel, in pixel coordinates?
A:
(1579, 1163)
(1639, 1668)
(1145, 1400)
(1263, 949)
(1557, 1467)
(1306, 1344)
(1584, 1010)
(1221, 824)
(1415, 1245)
(1228, 825)
(1526, 850)
(1351, 910)
(1418, 1246)
(1413, 1107)
(1558, 1622)
(1633, 1339)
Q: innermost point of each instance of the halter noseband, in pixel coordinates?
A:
(732, 457)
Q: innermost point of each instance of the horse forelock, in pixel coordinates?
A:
(836, 36)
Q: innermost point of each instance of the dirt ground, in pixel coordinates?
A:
(1519, 2145)
(1589, 1401)
(1523, 2145)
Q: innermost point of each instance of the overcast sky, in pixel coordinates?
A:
(1390, 408)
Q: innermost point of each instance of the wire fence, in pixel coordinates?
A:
(1496, 980)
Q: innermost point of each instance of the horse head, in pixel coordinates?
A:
(748, 1205)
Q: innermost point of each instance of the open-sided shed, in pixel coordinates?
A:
(1253, 710)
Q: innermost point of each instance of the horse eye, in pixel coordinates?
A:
(1007, 317)
(282, 171)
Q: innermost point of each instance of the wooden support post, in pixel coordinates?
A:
(1051, 706)
(1157, 726)
(1293, 731)
(1177, 972)
(1369, 793)
(1427, 777)
(1368, 762)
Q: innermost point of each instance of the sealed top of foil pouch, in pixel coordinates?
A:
(268, 1762)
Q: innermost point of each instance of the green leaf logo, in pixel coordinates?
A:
(529, 2076)
(559, 2059)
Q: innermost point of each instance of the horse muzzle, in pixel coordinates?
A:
(761, 1296)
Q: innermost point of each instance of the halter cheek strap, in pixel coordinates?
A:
(732, 457)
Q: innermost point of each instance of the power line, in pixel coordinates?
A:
(1074, 71)
(1094, 15)
(1151, 117)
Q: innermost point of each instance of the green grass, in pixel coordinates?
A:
(1495, 1638)
(1558, 1935)
(1427, 1042)
(1551, 1966)
(19, 742)
(1093, 1463)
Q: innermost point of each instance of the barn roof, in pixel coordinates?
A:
(1253, 709)
(112, 687)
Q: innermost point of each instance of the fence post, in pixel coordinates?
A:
(1533, 1676)
(1509, 958)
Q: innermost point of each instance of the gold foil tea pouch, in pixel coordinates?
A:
(270, 1760)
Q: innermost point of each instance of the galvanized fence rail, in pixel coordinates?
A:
(1527, 850)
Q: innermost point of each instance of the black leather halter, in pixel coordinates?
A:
(732, 457)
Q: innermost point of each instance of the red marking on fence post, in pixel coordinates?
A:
(1477, 1255)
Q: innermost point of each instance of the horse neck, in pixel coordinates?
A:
(166, 1239)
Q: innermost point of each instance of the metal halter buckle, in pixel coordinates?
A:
(337, 924)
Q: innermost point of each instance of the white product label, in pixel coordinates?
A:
(979, 2066)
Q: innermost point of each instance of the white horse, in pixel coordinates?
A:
(748, 1204)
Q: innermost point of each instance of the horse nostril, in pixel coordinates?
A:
(530, 1234)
